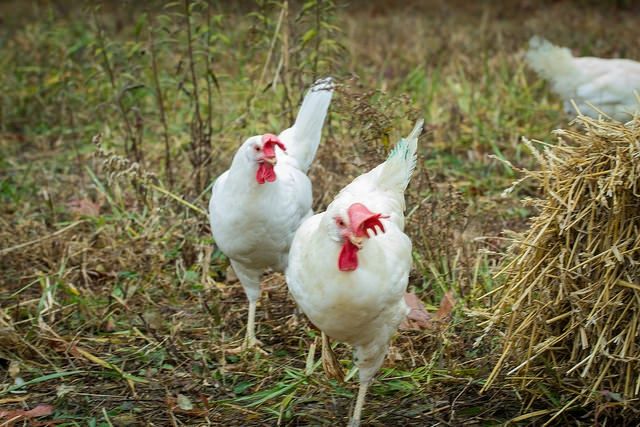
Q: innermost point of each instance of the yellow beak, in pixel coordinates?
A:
(271, 160)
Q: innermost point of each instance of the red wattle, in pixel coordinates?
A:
(348, 259)
(265, 173)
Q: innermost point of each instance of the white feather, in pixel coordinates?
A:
(303, 138)
(363, 307)
(253, 224)
(608, 84)
(384, 185)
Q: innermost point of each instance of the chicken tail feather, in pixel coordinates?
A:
(302, 140)
(401, 162)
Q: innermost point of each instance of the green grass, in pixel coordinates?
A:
(113, 318)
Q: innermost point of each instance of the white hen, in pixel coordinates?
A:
(349, 266)
(257, 205)
(608, 84)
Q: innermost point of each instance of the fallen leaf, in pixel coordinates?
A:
(617, 397)
(84, 206)
(41, 410)
(231, 275)
(125, 420)
(63, 389)
(418, 317)
(330, 363)
(14, 369)
(184, 403)
(394, 354)
(446, 306)
(109, 325)
(178, 405)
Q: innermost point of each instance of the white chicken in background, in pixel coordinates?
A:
(257, 205)
(349, 266)
(608, 84)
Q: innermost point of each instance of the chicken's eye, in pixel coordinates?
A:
(340, 222)
(256, 148)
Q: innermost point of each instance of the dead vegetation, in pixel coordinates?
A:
(115, 306)
(569, 299)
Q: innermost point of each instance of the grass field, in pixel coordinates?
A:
(115, 307)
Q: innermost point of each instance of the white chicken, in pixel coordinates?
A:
(257, 205)
(610, 85)
(349, 266)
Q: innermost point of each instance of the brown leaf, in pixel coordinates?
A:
(394, 354)
(84, 207)
(109, 325)
(418, 317)
(231, 275)
(41, 410)
(446, 306)
(330, 363)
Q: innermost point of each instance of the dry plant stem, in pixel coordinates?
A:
(208, 73)
(317, 40)
(286, 80)
(5, 251)
(95, 278)
(569, 297)
(160, 101)
(192, 65)
(200, 136)
(112, 79)
(179, 200)
(270, 53)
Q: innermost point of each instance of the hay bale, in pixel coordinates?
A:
(570, 297)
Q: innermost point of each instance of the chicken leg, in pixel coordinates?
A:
(250, 337)
(369, 359)
(250, 280)
(357, 411)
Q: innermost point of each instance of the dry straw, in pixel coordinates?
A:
(569, 302)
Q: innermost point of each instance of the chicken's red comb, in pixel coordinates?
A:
(269, 141)
(363, 220)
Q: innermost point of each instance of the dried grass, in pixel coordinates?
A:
(570, 299)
